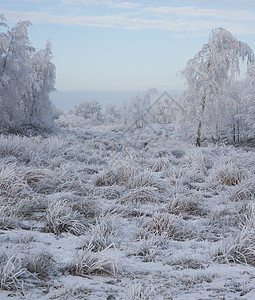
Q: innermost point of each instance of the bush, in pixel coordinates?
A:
(71, 121)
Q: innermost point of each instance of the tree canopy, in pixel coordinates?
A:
(210, 74)
(27, 77)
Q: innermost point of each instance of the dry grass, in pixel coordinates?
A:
(22, 270)
(86, 262)
(144, 194)
(139, 292)
(101, 234)
(229, 174)
(181, 204)
(239, 249)
(170, 226)
(244, 191)
(60, 218)
(146, 179)
(119, 173)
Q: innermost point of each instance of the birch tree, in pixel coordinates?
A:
(27, 78)
(212, 70)
(15, 71)
(90, 111)
(248, 99)
(38, 107)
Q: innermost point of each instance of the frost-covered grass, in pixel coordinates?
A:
(114, 213)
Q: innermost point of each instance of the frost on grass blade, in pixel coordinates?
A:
(61, 218)
(238, 249)
(86, 262)
(171, 226)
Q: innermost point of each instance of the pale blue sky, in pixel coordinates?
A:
(127, 45)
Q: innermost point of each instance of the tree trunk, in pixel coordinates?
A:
(199, 130)
(198, 143)
(238, 133)
(32, 109)
(234, 133)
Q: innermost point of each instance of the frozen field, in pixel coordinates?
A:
(110, 213)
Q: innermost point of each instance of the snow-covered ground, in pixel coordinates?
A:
(114, 213)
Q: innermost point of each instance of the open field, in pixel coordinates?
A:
(110, 213)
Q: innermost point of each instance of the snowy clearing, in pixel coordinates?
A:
(109, 213)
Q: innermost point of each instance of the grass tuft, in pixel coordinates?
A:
(170, 226)
(239, 249)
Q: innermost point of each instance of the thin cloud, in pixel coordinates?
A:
(108, 3)
(134, 23)
(125, 5)
(198, 13)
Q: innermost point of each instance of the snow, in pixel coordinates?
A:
(103, 212)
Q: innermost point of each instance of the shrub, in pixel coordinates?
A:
(70, 121)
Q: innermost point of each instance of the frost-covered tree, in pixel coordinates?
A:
(209, 75)
(166, 109)
(15, 72)
(37, 105)
(247, 91)
(112, 113)
(137, 111)
(26, 78)
(163, 112)
(89, 110)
